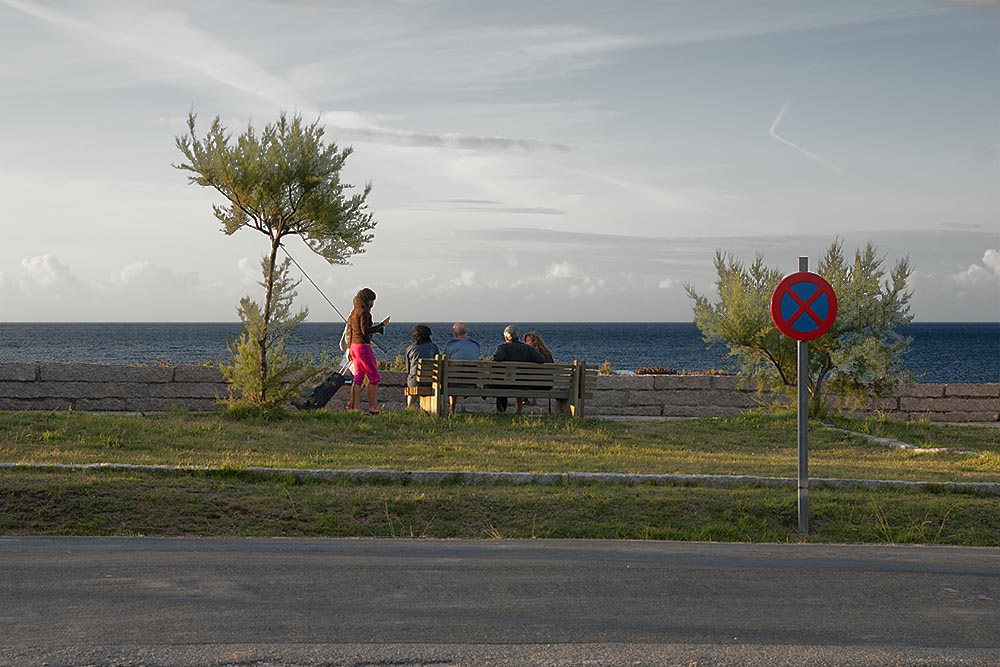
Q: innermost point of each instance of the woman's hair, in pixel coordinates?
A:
(421, 334)
(363, 297)
(539, 342)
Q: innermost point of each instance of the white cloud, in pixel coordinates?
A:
(992, 259)
(986, 273)
(166, 41)
(588, 287)
(563, 271)
(46, 273)
(149, 275)
(250, 270)
(466, 278)
(666, 283)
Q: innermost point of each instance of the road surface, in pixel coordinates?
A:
(285, 602)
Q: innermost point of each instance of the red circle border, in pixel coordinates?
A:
(784, 287)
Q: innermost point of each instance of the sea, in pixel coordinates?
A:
(960, 352)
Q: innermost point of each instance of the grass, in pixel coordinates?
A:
(232, 501)
(753, 444)
(238, 504)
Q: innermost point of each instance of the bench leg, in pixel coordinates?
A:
(562, 406)
(428, 404)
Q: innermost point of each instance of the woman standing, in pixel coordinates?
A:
(361, 355)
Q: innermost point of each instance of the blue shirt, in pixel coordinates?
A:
(462, 348)
(422, 351)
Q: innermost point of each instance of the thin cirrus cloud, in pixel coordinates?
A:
(542, 51)
(492, 206)
(165, 39)
(173, 38)
(417, 139)
(773, 131)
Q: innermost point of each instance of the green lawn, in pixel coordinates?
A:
(754, 444)
(232, 501)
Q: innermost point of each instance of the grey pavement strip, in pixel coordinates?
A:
(443, 477)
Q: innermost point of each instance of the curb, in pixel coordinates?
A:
(459, 478)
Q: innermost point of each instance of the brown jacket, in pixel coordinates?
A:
(360, 321)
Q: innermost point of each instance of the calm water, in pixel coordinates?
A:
(940, 352)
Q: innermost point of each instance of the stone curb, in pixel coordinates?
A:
(892, 443)
(440, 478)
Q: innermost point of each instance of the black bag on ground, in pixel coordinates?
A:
(322, 394)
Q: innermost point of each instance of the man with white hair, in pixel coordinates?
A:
(514, 350)
(460, 347)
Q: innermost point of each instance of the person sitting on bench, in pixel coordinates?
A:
(463, 348)
(514, 350)
(422, 348)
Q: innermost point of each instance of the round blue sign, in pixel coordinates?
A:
(803, 306)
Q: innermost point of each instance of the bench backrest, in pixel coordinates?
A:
(460, 376)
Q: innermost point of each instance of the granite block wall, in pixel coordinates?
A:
(158, 388)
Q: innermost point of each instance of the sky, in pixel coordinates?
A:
(562, 160)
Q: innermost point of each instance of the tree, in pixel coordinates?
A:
(285, 373)
(859, 357)
(282, 182)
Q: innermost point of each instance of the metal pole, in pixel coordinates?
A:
(803, 423)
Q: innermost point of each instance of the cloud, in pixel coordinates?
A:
(44, 284)
(490, 206)
(149, 275)
(985, 273)
(466, 278)
(588, 287)
(773, 131)
(46, 289)
(563, 271)
(666, 283)
(452, 141)
(165, 37)
(992, 258)
(46, 273)
(250, 269)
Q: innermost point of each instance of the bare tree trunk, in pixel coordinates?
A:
(262, 341)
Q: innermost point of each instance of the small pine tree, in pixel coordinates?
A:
(248, 386)
(859, 357)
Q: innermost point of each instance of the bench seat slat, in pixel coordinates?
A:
(489, 379)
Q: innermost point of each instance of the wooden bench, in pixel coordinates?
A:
(568, 385)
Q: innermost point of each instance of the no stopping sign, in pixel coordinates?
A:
(803, 306)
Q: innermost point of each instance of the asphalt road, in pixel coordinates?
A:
(284, 602)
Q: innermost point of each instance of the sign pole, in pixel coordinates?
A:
(803, 423)
(803, 307)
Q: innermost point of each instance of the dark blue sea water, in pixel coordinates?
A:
(940, 352)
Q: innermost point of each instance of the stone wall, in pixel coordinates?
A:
(109, 388)
(158, 388)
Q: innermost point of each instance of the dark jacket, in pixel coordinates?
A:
(413, 353)
(517, 351)
(360, 321)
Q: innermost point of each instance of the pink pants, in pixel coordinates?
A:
(364, 364)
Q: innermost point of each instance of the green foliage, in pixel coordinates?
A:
(284, 181)
(249, 386)
(606, 368)
(397, 363)
(861, 355)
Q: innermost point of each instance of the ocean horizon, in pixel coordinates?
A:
(940, 352)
